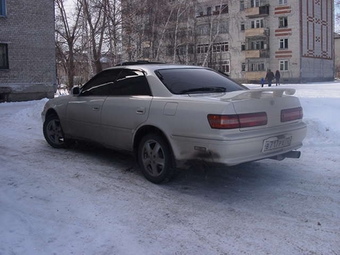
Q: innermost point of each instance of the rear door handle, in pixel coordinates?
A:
(96, 108)
(140, 110)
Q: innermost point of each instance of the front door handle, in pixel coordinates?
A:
(95, 108)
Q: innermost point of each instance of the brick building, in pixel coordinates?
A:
(245, 38)
(27, 50)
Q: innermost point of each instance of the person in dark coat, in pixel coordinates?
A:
(269, 77)
(277, 77)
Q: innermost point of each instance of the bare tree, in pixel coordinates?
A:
(214, 25)
(114, 30)
(337, 16)
(96, 15)
(67, 34)
(163, 31)
(133, 26)
(182, 7)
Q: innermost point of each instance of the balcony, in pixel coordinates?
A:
(260, 11)
(255, 76)
(256, 54)
(261, 31)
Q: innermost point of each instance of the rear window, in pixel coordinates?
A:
(196, 80)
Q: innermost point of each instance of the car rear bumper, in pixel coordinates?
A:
(237, 149)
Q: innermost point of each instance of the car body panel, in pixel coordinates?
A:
(118, 125)
(83, 116)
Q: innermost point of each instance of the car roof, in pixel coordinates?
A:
(154, 66)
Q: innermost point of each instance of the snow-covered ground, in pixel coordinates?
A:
(95, 201)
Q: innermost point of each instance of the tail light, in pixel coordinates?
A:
(237, 120)
(291, 114)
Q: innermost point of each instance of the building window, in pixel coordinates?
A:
(241, 5)
(216, 47)
(225, 8)
(2, 7)
(208, 10)
(220, 47)
(255, 3)
(242, 26)
(202, 48)
(283, 65)
(181, 50)
(221, 27)
(203, 29)
(225, 66)
(284, 43)
(257, 23)
(283, 22)
(255, 67)
(282, 2)
(243, 47)
(243, 67)
(3, 56)
(256, 45)
(220, 9)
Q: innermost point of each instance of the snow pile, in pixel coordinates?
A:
(32, 113)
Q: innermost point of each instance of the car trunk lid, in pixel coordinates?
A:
(272, 101)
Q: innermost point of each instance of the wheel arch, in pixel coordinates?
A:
(148, 129)
(50, 112)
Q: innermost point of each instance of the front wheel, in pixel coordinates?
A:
(155, 158)
(53, 132)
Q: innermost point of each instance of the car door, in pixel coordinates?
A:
(84, 111)
(125, 109)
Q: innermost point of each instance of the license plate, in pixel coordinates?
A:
(275, 143)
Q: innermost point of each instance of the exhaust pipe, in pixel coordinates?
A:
(289, 154)
(292, 154)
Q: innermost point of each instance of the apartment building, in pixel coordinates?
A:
(295, 37)
(245, 38)
(27, 50)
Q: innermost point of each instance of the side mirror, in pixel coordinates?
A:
(75, 91)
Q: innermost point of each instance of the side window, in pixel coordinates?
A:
(131, 83)
(3, 56)
(101, 84)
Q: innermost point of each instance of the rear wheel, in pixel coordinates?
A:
(53, 132)
(155, 158)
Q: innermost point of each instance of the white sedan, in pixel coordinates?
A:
(170, 115)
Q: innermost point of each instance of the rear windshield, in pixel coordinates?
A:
(196, 80)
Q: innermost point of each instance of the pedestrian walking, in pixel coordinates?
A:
(269, 77)
(262, 82)
(277, 77)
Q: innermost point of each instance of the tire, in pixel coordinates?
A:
(155, 159)
(53, 132)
